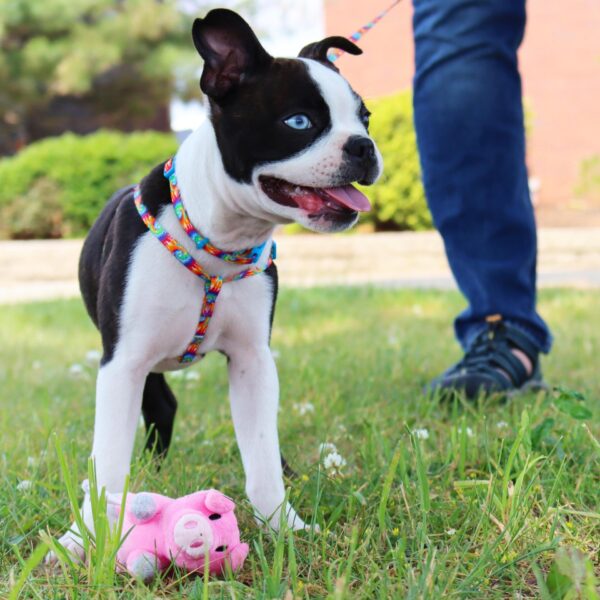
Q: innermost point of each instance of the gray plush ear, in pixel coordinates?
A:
(318, 50)
(230, 49)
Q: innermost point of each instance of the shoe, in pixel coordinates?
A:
(477, 373)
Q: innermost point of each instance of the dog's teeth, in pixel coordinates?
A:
(297, 190)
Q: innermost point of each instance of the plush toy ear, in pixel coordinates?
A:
(218, 503)
(318, 50)
(230, 50)
(145, 506)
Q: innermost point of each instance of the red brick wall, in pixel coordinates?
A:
(560, 66)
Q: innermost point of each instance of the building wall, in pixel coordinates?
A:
(560, 66)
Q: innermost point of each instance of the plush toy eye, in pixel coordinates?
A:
(299, 121)
(221, 548)
(214, 517)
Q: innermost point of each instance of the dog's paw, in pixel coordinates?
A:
(71, 541)
(294, 522)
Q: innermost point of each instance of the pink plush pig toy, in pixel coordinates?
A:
(184, 531)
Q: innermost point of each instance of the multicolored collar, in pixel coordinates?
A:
(241, 257)
(212, 283)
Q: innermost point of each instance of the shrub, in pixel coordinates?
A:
(398, 197)
(35, 214)
(588, 185)
(62, 183)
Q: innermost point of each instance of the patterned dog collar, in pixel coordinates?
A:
(212, 283)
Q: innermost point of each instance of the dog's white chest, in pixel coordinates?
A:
(163, 301)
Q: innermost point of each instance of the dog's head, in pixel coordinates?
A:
(293, 130)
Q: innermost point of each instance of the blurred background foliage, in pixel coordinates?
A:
(79, 65)
(56, 187)
(398, 198)
(106, 71)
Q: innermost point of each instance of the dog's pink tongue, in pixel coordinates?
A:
(349, 196)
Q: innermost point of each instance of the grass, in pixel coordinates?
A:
(465, 501)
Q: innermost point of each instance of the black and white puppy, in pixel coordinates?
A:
(284, 140)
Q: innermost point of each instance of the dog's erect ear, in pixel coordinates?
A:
(318, 50)
(230, 50)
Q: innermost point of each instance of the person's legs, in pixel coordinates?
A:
(470, 132)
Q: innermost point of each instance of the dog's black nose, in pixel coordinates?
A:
(360, 150)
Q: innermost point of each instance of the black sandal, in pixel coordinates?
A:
(490, 367)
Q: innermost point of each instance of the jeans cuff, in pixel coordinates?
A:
(543, 344)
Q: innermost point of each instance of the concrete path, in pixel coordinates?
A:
(40, 270)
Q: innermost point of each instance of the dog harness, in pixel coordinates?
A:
(212, 283)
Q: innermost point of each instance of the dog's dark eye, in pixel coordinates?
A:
(364, 117)
(299, 121)
(221, 548)
(214, 517)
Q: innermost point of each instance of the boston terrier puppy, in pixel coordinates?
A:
(284, 141)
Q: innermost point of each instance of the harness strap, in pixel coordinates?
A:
(212, 283)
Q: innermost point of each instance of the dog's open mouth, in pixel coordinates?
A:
(344, 199)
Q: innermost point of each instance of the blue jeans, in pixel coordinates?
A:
(470, 133)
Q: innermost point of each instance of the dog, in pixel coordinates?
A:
(284, 141)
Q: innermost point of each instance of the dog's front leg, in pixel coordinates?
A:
(119, 389)
(254, 396)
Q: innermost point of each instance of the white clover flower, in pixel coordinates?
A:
(75, 370)
(93, 356)
(334, 462)
(467, 430)
(501, 424)
(327, 447)
(451, 532)
(421, 433)
(192, 376)
(24, 485)
(303, 408)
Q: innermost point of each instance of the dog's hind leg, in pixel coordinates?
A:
(158, 407)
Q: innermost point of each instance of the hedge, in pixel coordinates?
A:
(398, 197)
(57, 187)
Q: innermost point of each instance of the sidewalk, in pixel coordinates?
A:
(46, 269)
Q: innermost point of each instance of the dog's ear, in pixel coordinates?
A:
(318, 50)
(230, 50)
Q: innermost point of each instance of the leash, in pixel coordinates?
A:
(212, 283)
(336, 53)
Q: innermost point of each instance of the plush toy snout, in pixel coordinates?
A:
(193, 534)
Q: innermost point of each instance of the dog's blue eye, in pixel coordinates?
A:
(298, 121)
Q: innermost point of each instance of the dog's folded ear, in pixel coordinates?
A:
(318, 50)
(230, 49)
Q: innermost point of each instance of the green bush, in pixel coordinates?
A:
(398, 197)
(57, 187)
(588, 185)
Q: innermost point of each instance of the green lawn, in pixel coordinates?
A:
(434, 500)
